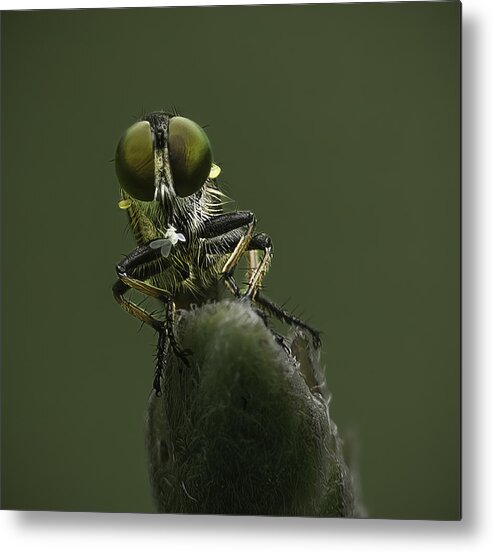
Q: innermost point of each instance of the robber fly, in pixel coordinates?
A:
(187, 247)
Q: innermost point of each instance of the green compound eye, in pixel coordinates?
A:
(190, 155)
(134, 161)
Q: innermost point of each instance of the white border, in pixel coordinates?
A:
(51, 532)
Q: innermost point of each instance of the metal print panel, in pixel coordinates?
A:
(272, 194)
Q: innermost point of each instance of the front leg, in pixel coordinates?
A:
(120, 288)
(140, 265)
(229, 233)
(143, 263)
(236, 242)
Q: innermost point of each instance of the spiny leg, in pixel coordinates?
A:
(252, 259)
(222, 226)
(182, 354)
(161, 361)
(236, 243)
(242, 245)
(145, 262)
(287, 317)
(229, 233)
(259, 242)
(262, 242)
(232, 285)
(119, 290)
(139, 265)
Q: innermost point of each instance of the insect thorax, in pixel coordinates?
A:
(188, 273)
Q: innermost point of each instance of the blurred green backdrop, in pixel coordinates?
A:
(338, 125)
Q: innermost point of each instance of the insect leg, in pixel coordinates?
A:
(257, 273)
(287, 317)
(235, 243)
(235, 231)
(262, 242)
(161, 360)
(220, 225)
(242, 245)
(139, 265)
(119, 289)
(142, 263)
(182, 354)
(252, 259)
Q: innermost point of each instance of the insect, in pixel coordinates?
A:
(187, 247)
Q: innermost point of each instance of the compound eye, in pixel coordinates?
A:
(134, 161)
(190, 155)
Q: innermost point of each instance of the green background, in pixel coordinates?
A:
(339, 126)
